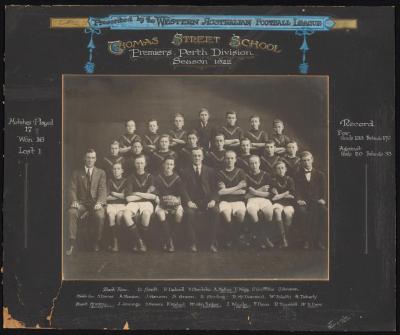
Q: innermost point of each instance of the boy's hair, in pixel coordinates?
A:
(114, 143)
(270, 142)
(255, 116)
(152, 120)
(280, 162)
(193, 132)
(219, 134)
(305, 154)
(117, 163)
(203, 109)
(140, 156)
(168, 158)
(256, 156)
(137, 141)
(230, 152)
(126, 123)
(292, 142)
(244, 139)
(164, 136)
(230, 113)
(178, 115)
(278, 121)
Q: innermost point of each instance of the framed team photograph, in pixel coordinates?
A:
(195, 177)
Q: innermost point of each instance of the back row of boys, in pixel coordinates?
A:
(178, 144)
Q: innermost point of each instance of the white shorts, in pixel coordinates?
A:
(233, 206)
(113, 209)
(258, 203)
(140, 207)
(279, 206)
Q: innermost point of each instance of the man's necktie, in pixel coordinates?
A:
(88, 181)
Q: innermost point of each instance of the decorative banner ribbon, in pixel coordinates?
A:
(89, 66)
(301, 25)
(303, 67)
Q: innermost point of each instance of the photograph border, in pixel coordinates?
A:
(327, 279)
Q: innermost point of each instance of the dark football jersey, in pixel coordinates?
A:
(118, 186)
(230, 179)
(268, 163)
(139, 183)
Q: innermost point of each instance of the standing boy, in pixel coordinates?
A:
(178, 134)
(150, 139)
(113, 158)
(257, 136)
(232, 132)
(128, 138)
(205, 130)
(278, 137)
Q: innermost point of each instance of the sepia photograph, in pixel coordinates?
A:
(195, 177)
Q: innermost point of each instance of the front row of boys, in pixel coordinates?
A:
(226, 193)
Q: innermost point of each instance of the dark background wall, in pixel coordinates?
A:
(96, 107)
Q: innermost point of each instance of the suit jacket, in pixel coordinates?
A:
(78, 187)
(310, 190)
(207, 181)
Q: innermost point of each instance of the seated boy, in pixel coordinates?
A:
(231, 182)
(282, 189)
(140, 197)
(171, 191)
(259, 207)
(115, 202)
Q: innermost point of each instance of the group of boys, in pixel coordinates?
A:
(224, 175)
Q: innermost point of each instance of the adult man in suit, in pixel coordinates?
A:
(87, 194)
(200, 182)
(311, 203)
